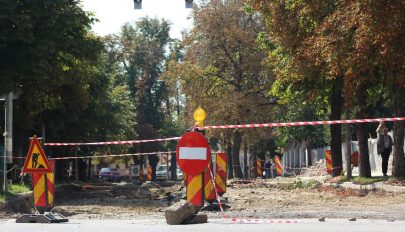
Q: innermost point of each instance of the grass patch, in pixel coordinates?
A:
(19, 188)
(299, 184)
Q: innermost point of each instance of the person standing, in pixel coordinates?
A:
(384, 147)
(380, 129)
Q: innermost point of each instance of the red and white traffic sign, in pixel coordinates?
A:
(193, 153)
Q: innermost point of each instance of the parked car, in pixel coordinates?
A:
(110, 174)
(161, 173)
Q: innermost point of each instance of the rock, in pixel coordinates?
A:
(22, 204)
(196, 219)
(321, 219)
(179, 212)
(352, 219)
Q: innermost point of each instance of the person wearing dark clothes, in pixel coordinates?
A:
(267, 168)
(384, 147)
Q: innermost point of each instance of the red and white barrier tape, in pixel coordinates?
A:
(260, 125)
(100, 156)
(216, 192)
(112, 142)
(281, 124)
(262, 221)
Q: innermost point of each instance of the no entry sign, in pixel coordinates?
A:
(193, 153)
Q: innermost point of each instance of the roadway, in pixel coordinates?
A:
(214, 225)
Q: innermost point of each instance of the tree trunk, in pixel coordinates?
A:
(236, 141)
(364, 164)
(254, 158)
(348, 146)
(336, 102)
(245, 160)
(229, 161)
(362, 137)
(398, 170)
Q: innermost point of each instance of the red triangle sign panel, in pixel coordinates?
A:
(36, 161)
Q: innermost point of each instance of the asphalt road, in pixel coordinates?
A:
(220, 225)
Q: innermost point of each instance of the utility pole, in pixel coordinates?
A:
(8, 137)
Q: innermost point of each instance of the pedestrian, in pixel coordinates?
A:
(380, 129)
(267, 167)
(384, 147)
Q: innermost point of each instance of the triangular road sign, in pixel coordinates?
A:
(36, 161)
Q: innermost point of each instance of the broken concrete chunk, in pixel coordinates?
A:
(179, 212)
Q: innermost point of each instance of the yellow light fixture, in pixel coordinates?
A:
(199, 116)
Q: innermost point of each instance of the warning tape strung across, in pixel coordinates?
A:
(100, 156)
(216, 193)
(262, 221)
(259, 125)
(112, 142)
(281, 124)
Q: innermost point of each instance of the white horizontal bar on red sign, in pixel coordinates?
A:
(113, 142)
(281, 124)
(193, 153)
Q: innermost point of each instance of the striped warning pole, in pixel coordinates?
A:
(40, 198)
(194, 190)
(259, 168)
(279, 168)
(220, 174)
(51, 185)
(149, 177)
(209, 191)
(328, 158)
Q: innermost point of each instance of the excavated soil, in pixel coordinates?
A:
(280, 198)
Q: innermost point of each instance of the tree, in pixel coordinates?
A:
(142, 54)
(48, 54)
(224, 71)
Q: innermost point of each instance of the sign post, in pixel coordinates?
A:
(37, 164)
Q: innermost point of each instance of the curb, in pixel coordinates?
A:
(372, 187)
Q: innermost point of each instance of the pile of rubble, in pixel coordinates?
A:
(318, 169)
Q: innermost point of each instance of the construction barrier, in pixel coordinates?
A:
(194, 190)
(220, 174)
(43, 188)
(259, 168)
(209, 191)
(149, 177)
(279, 168)
(355, 159)
(328, 158)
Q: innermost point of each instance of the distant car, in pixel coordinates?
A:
(161, 173)
(109, 174)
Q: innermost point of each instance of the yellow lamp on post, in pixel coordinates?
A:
(199, 117)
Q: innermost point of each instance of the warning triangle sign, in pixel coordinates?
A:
(36, 161)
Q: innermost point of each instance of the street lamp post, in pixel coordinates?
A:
(8, 136)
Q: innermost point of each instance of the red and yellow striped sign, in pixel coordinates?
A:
(44, 195)
(220, 174)
(149, 177)
(279, 168)
(328, 158)
(195, 190)
(259, 168)
(209, 191)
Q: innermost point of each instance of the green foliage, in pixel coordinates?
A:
(299, 184)
(20, 188)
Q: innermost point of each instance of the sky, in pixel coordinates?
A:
(112, 14)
